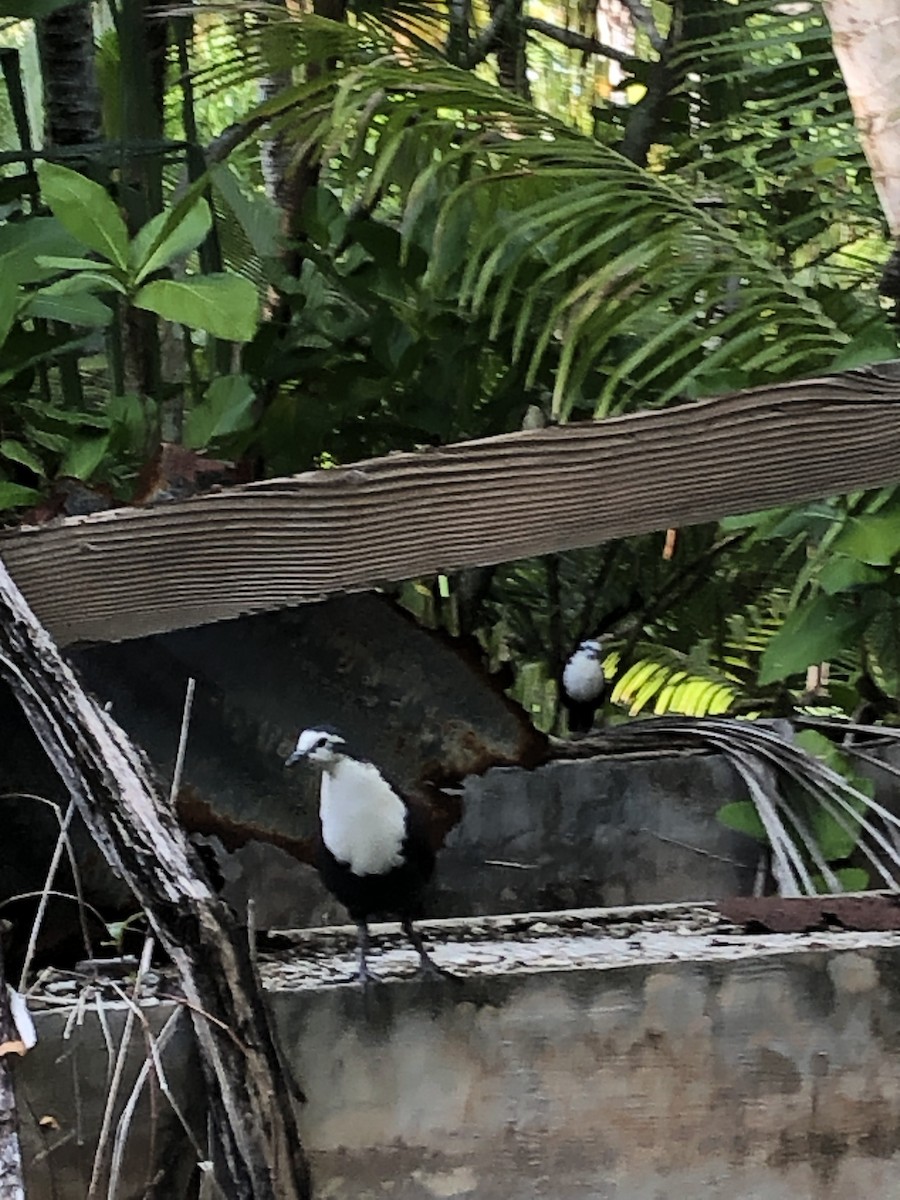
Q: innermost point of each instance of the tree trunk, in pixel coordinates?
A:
(256, 1148)
(866, 39)
(12, 1185)
(643, 123)
(65, 43)
(305, 176)
(510, 46)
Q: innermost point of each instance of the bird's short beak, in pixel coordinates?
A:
(293, 758)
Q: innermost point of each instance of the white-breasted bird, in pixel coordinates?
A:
(375, 855)
(583, 685)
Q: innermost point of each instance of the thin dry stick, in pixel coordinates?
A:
(53, 892)
(103, 1139)
(127, 1116)
(182, 740)
(38, 921)
(73, 864)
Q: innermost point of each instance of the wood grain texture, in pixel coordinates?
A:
(282, 542)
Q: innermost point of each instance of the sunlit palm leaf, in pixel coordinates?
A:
(671, 682)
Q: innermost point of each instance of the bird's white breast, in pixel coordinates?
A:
(583, 676)
(363, 818)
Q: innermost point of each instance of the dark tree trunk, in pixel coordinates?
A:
(645, 118)
(306, 175)
(256, 1147)
(510, 46)
(11, 1178)
(65, 43)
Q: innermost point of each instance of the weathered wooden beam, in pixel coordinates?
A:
(282, 542)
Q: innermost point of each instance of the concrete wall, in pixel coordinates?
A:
(595, 832)
(62, 1087)
(617, 1065)
(766, 1079)
(637, 829)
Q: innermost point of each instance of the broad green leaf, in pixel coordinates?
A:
(55, 442)
(742, 817)
(226, 408)
(83, 457)
(841, 574)
(82, 283)
(14, 450)
(818, 744)
(882, 640)
(35, 347)
(86, 210)
(24, 243)
(14, 495)
(833, 840)
(9, 304)
(67, 417)
(871, 539)
(72, 310)
(129, 416)
(817, 631)
(60, 262)
(875, 344)
(851, 879)
(224, 305)
(166, 237)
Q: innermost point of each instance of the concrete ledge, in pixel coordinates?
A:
(669, 1064)
(626, 1055)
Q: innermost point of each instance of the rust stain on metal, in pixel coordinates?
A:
(806, 914)
(198, 816)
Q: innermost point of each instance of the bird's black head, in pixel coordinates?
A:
(321, 744)
(592, 648)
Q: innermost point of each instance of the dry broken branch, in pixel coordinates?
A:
(12, 1185)
(257, 1153)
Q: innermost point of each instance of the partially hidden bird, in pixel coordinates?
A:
(583, 685)
(374, 855)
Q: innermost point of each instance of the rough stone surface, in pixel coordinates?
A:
(594, 1056)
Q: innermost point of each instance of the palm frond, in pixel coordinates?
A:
(600, 271)
(673, 682)
(785, 782)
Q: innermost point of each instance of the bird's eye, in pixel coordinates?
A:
(323, 741)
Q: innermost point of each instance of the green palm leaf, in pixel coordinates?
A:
(581, 250)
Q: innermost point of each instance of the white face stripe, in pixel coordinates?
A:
(311, 737)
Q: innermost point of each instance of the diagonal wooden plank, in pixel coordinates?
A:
(130, 572)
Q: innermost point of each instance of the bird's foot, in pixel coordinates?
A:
(364, 977)
(428, 969)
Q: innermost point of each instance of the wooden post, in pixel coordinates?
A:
(256, 1149)
(12, 1185)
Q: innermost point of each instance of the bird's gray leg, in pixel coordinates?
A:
(427, 965)
(364, 975)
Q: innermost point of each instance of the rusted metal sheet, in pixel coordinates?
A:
(776, 914)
